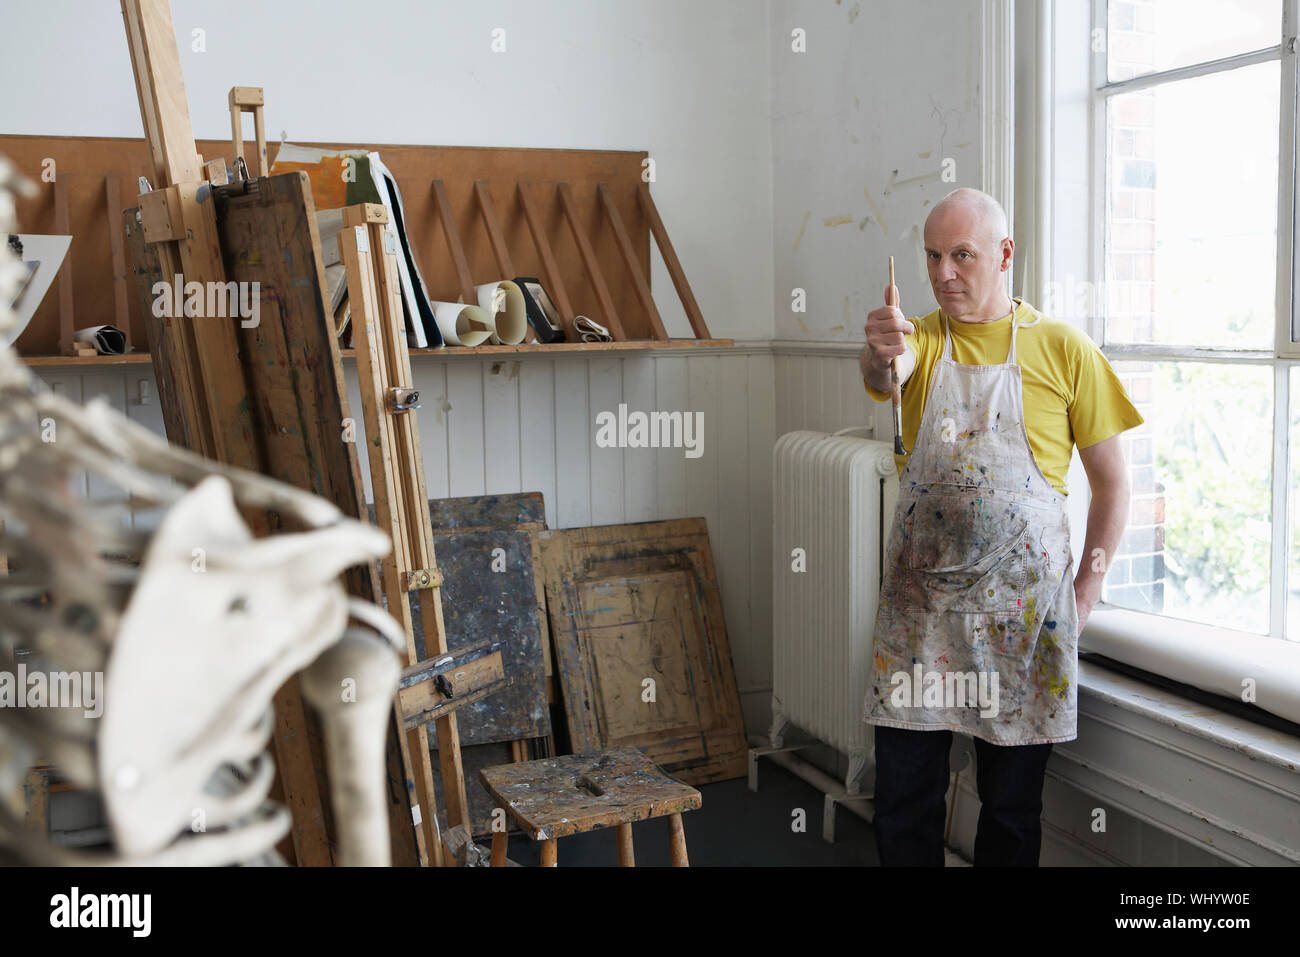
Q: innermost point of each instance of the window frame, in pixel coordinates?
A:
(1285, 353)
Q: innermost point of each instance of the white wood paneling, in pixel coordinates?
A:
(639, 472)
(431, 379)
(605, 394)
(501, 454)
(729, 446)
(490, 426)
(702, 473)
(466, 438)
(754, 666)
(672, 391)
(572, 446)
(537, 432)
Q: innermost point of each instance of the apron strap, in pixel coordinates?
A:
(1011, 353)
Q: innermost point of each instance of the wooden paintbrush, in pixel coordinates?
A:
(896, 390)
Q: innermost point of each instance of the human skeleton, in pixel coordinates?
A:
(194, 625)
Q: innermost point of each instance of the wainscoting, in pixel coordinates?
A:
(528, 424)
(490, 425)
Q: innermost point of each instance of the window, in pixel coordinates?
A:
(1193, 182)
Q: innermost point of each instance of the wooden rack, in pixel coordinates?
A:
(582, 221)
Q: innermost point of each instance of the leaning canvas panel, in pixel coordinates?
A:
(641, 645)
(342, 178)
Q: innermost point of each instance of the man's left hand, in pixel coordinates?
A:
(1086, 593)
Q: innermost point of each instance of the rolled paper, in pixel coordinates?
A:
(108, 340)
(591, 330)
(505, 301)
(463, 325)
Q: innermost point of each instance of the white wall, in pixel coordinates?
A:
(757, 148)
(861, 125)
(686, 80)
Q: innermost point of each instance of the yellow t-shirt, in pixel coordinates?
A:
(1072, 396)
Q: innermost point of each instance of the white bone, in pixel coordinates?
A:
(192, 652)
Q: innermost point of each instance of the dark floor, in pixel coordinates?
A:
(734, 827)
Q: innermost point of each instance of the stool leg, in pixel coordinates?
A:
(500, 841)
(548, 853)
(36, 791)
(677, 841)
(625, 856)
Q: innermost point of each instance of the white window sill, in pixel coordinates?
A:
(1211, 778)
(1220, 728)
(1216, 660)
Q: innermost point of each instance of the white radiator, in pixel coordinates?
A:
(834, 499)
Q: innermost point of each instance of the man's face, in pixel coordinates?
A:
(965, 262)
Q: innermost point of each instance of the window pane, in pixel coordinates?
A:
(1147, 36)
(1197, 541)
(1191, 211)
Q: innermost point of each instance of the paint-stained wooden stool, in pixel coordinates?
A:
(555, 797)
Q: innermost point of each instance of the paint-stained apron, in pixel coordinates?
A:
(978, 575)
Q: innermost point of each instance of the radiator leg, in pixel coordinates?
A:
(857, 764)
(828, 819)
(776, 736)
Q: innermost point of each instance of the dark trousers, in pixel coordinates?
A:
(912, 784)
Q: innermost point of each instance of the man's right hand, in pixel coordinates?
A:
(885, 329)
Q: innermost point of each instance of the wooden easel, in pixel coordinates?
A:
(368, 248)
(269, 398)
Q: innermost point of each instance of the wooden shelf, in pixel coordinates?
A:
(537, 348)
(131, 358)
(532, 348)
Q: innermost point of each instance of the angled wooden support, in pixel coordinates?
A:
(497, 239)
(454, 245)
(63, 226)
(608, 313)
(368, 249)
(248, 99)
(624, 243)
(551, 269)
(117, 248)
(161, 91)
(496, 236)
(673, 263)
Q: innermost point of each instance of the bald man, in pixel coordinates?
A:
(980, 609)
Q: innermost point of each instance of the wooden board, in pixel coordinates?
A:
(521, 510)
(81, 163)
(491, 595)
(522, 513)
(633, 602)
(582, 792)
(475, 512)
(291, 366)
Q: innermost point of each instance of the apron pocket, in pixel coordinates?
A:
(980, 580)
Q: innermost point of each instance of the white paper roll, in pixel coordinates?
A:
(463, 325)
(505, 301)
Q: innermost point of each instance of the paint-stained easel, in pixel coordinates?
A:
(269, 398)
(368, 248)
